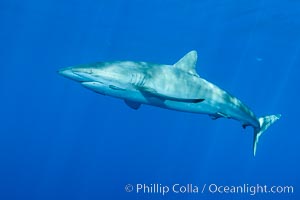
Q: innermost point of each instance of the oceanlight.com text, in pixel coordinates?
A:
(164, 189)
(250, 189)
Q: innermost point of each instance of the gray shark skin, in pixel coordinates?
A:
(176, 87)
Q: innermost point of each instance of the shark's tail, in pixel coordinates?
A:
(264, 123)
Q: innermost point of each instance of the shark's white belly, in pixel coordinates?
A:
(217, 103)
(132, 94)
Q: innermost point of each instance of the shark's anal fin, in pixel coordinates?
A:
(153, 93)
(132, 104)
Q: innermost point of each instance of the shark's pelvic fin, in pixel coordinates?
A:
(264, 123)
(132, 104)
(188, 63)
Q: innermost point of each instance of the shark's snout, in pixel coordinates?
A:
(71, 73)
(65, 72)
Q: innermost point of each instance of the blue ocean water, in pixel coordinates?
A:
(61, 141)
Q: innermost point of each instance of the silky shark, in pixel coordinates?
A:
(176, 87)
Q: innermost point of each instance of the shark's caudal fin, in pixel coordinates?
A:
(265, 123)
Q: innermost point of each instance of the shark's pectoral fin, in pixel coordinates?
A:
(132, 104)
(192, 100)
(153, 93)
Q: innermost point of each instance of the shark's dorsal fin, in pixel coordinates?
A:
(188, 63)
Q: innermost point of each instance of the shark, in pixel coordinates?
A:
(176, 87)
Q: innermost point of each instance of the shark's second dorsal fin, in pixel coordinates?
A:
(188, 63)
